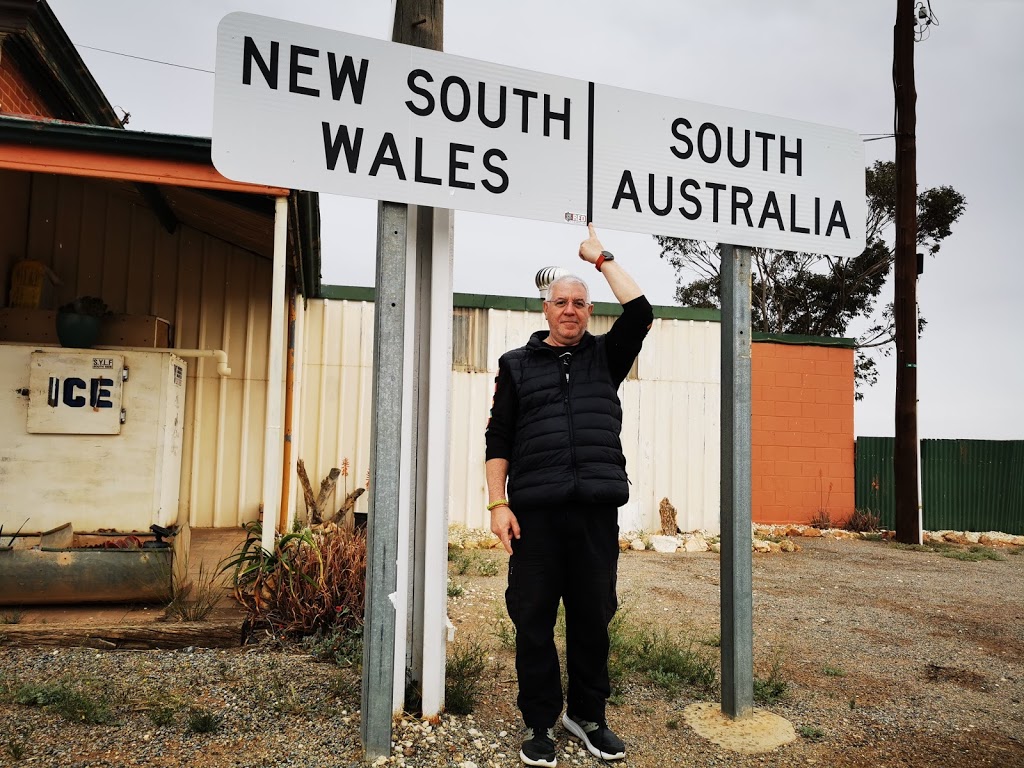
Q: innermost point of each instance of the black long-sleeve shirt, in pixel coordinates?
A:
(623, 340)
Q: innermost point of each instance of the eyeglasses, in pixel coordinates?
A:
(580, 304)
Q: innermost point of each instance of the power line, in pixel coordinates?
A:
(143, 58)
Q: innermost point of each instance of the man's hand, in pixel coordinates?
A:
(504, 525)
(590, 249)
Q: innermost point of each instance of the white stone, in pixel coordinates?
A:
(695, 543)
(972, 536)
(667, 544)
(638, 545)
(762, 546)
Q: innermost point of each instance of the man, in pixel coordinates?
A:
(556, 477)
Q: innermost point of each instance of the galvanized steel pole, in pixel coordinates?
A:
(382, 528)
(737, 622)
(419, 23)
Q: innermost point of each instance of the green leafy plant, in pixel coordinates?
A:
(834, 672)
(341, 645)
(92, 306)
(504, 629)
(462, 561)
(810, 732)
(668, 660)
(973, 554)
(161, 715)
(488, 567)
(202, 720)
(772, 688)
(69, 702)
(455, 589)
(17, 747)
(464, 673)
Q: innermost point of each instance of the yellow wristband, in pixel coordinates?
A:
(498, 503)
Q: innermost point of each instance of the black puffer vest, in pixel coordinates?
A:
(567, 444)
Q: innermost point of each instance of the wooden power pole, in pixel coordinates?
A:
(908, 518)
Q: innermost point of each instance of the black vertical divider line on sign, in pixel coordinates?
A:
(590, 152)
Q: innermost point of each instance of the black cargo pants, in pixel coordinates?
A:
(571, 553)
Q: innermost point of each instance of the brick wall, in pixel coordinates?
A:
(802, 438)
(17, 97)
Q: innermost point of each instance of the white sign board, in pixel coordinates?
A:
(75, 393)
(310, 108)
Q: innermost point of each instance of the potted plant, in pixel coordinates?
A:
(78, 322)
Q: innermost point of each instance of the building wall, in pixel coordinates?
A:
(671, 431)
(802, 438)
(17, 96)
(99, 241)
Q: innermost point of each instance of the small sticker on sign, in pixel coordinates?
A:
(576, 218)
(103, 363)
(177, 375)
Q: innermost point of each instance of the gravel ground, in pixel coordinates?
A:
(892, 658)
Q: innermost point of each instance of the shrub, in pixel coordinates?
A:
(68, 702)
(667, 660)
(810, 732)
(973, 554)
(313, 581)
(342, 646)
(773, 688)
(504, 629)
(461, 560)
(488, 567)
(195, 600)
(863, 521)
(203, 721)
(161, 715)
(463, 681)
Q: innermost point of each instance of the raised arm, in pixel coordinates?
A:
(623, 286)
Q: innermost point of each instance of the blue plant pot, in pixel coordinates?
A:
(77, 331)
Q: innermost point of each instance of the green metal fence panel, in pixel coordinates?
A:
(973, 485)
(874, 488)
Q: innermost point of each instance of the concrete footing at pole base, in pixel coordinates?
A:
(761, 732)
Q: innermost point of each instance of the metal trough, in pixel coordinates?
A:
(47, 576)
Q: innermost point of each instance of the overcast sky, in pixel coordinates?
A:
(814, 60)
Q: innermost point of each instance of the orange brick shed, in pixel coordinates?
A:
(802, 439)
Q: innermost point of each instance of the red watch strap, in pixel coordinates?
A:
(599, 262)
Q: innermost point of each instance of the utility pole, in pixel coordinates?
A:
(908, 516)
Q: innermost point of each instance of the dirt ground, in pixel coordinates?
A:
(892, 657)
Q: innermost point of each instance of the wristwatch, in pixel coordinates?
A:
(605, 256)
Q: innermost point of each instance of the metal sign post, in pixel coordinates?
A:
(737, 622)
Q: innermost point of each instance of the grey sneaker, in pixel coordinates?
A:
(539, 747)
(598, 737)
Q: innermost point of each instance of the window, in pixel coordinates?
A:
(469, 339)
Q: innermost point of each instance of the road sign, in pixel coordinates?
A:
(317, 109)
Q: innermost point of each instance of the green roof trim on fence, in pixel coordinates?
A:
(347, 292)
(520, 303)
(609, 308)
